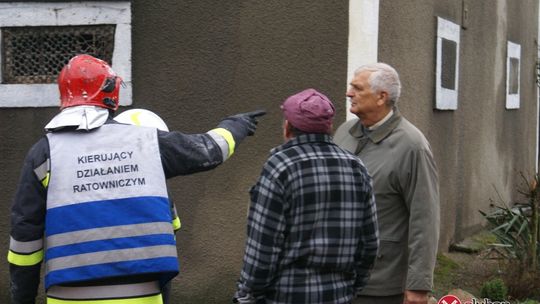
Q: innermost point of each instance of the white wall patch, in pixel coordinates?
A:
(513, 62)
(447, 69)
(363, 37)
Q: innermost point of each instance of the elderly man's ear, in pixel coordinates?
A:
(383, 98)
(287, 133)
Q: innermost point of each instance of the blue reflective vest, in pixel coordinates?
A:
(108, 212)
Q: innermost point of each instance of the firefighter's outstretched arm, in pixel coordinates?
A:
(188, 153)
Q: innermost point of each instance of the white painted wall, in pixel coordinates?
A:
(363, 37)
(537, 99)
(513, 50)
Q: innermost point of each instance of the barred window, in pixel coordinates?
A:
(37, 54)
(38, 38)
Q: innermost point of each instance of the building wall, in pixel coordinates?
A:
(198, 61)
(481, 148)
(195, 62)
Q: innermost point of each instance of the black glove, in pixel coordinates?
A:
(242, 125)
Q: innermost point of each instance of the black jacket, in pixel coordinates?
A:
(181, 154)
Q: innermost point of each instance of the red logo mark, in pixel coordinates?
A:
(449, 299)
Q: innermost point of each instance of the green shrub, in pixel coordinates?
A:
(494, 289)
(517, 228)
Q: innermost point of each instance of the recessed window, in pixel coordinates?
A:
(447, 67)
(37, 54)
(38, 38)
(449, 53)
(512, 75)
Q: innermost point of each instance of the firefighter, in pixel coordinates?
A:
(147, 118)
(142, 117)
(92, 200)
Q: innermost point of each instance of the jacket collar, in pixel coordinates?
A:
(81, 117)
(303, 139)
(377, 135)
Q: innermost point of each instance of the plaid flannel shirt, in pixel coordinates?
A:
(312, 232)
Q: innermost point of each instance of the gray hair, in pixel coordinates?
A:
(383, 78)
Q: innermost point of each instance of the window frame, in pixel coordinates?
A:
(66, 14)
(446, 99)
(513, 51)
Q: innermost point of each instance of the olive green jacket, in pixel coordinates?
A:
(405, 179)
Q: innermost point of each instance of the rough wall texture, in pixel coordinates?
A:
(480, 148)
(195, 62)
(19, 129)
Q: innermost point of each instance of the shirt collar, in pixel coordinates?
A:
(382, 121)
(303, 139)
(381, 132)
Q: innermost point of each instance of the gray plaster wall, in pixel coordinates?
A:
(195, 62)
(481, 148)
(198, 61)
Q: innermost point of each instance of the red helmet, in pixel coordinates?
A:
(86, 80)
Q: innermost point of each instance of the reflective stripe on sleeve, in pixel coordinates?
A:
(25, 259)
(104, 292)
(155, 299)
(176, 223)
(176, 219)
(25, 247)
(25, 253)
(42, 173)
(225, 140)
(45, 181)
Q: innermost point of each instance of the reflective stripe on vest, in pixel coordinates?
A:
(101, 292)
(108, 213)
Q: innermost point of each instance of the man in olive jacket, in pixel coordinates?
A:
(405, 179)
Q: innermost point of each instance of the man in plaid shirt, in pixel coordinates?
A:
(312, 229)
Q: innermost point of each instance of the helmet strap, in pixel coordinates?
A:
(109, 85)
(109, 102)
